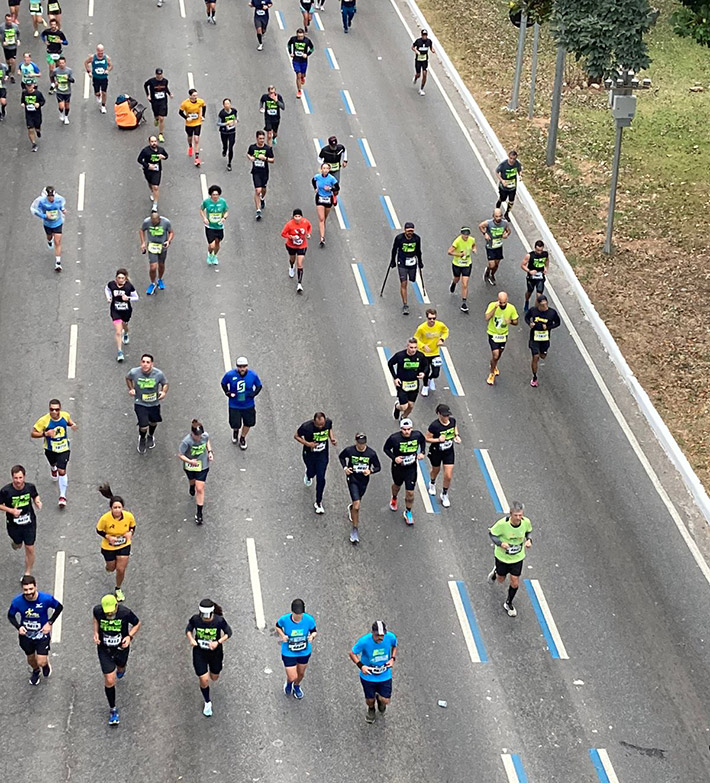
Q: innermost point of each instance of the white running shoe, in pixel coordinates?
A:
(425, 391)
(432, 488)
(432, 384)
(307, 481)
(445, 502)
(512, 611)
(291, 271)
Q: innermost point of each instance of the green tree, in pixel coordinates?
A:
(693, 20)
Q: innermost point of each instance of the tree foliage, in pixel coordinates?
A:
(537, 10)
(693, 20)
(606, 34)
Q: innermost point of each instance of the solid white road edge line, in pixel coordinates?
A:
(359, 283)
(386, 370)
(80, 197)
(59, 567)
(87, 85)
(224, 340)
(452, 371)
(497, 486)
(203, 185)
(73, 337)
(547, 614)
(255, 585)
(190, 81)
(463, 622)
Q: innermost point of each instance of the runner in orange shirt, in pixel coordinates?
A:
(297, 232)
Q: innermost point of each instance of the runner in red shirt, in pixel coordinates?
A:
(297, 232)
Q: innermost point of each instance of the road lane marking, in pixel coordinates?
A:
(318, 144)
(306, 102)
(280, 20)
(319, 23)
(59, 567)
(255, 585)
(367, 152)
(361, 282)
(224, 340)
(190, 81)
(342, 216)
(513, 766)
(182, 8)
(467, 620)
(87, 85)
(544, 617)
(348, 101)
(390, 213)
(384, 355)
(332, 62)
(495, 490)
(73, 337)
(91, 7)
(431, 502)
(603, 766)
(447, 365)
(203, 185)
(80, 197)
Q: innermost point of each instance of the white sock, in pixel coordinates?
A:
(63, 481)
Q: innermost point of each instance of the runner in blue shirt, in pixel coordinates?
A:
(326, 187)
(241, 386)
(374, 654)
(29, 613)
(296, 631)
(50, 207)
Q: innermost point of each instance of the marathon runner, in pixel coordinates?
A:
(207, 632)
(441, 436)
(359, 463)
(116, 528)
(115, 627)
(404, 448)
(151, 159)
(499, 315)
(196, 453)
(306, 7)
(406, 256)
(535, 265)
(241, 386)
(63, 80)
(33, 101)
(37, 16)
(300, 48)
(541, 319)
(375, 654)
(28, 71)
(120, 294)
(296, 631)
(227, 124)
(494, 231)
(158, 92)
(193, 110)
(511, 536)
(271, 105)
(10, 37)
(335, 155)
(508, 172)
(156, 234)
(148, 386)
(261, 19)
(18, 500)
(54, 38)
(54, 10)
(461, 252)
(297, 232)
(29, 614)
(347, 12)
(210, 9)
(421, 48)
(260, 155)
(4, 71)
(54, 428)
(408, 367)
(50, 207)
(320, 5)
(98, 66)
(214, 212)
(430, 336)
(314, 436)
(326, 188)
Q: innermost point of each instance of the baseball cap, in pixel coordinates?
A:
(109, 603)
(297, 212)
(158, 70)
(206, 609)
(379, 627)
(405, 423)
(425, 32)
(465, 230)
(409, 224)
(361, 437)
(333, 140)
(443, 409)
(242, 361)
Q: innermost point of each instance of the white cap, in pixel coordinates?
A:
(242, 360)
(405, 423)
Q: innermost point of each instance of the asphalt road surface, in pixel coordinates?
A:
(604, 670)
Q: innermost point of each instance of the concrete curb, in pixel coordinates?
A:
(658, 426)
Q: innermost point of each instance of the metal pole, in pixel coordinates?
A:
(555, 111)
(608, 249)
(533, 72)
(513, 105)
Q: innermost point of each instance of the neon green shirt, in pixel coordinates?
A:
(465, 246)
(513, 536)
(497, 325)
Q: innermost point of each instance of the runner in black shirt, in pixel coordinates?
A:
(261, 19)
(207, 632)
(404, 448)
(33, 101)
(335, 155)
(115, 627)
(541, 319)
(408, 367)
(535, 265)
(16, 500)
(359, 463)
(421, 48)
(151, 159)
(227, 123)
(406, 256)
(508, 172)
(314, 436)
(271, 105)
(158, 92)
(120, 294)
(441, 436)
(260, 155)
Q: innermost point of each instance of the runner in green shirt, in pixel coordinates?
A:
(499, 314)
(214, 211)
(511, 536)
(461, 251)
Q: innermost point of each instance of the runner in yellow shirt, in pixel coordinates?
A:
(430, 335)
(116, 529)
(461, 251)
(500, 315)
(193, 110)
(53, 427)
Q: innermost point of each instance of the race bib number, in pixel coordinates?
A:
(203, 643)
(35, 8)
(99, 71)
(31, 107)
(196, 468)
(514, 549)
(114, 640)
(216, 217)
(447, 444)
(410, 385)
(436, 361)
(537, 275)
(192, 116)
(120, 540)
(159, 95)
(23, 519)
(120, 305)
(541, 337)
(54, 56)
(296, 240)
(496, 242)
(34, 629)
(498, 338)
(408, 459)
(58, 446)
(155, 248)
(377, 669)
(150, 396)
(422, 57)
(154, 166)
(50, 214)
(297, 645)
(271, 112)
(259, 163)
(319, 447)
(410, 261)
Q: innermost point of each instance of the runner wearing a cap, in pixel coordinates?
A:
(495, 231)
(359, 463)
(207, 632)
(158, 92)
(335, 155)
(297, 232)
(421, 48)
(241, 386)
(115, 627)
(461, 252)
(374, 654)
(441, 436)
(296, 630)
(404, 448)
(314, 436)
(196, 454)
(408, 367)
(500, 315)
(406, 256)
(326, 187)
(116, 528)
(430, 336)
(541, 319)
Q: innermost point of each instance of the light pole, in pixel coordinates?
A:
(622, 102)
